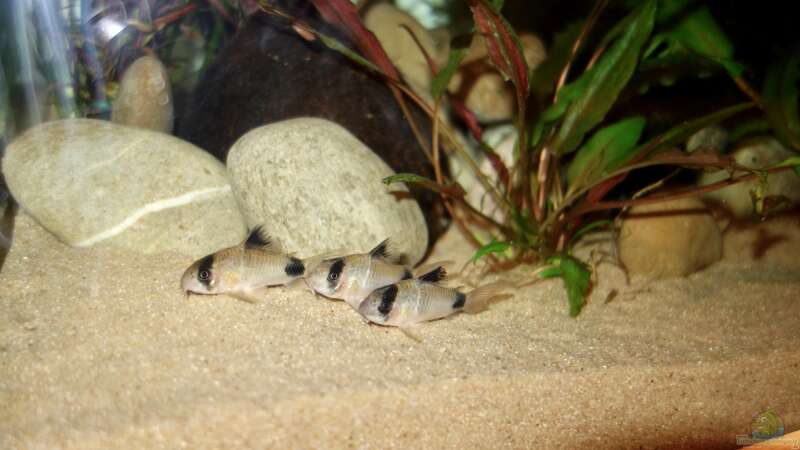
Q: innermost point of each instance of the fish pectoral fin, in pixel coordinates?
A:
(410, 334)
(245, 296)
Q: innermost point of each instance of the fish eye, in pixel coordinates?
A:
(204, 275)
(333, 276)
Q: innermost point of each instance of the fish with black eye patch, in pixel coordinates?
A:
(238, 271)
(417, 300)
(351, 278)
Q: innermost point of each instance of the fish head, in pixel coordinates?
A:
(327, 278)
(201, 277)
(379, 304)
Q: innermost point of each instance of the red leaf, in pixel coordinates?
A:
(502, 45)
(467, 116)
(344, 14)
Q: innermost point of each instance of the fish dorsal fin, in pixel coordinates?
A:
(258, 240)
(434, 276)
(381, 250)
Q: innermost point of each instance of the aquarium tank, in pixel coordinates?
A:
(268, 223)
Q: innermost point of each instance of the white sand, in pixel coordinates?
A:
(100, 349)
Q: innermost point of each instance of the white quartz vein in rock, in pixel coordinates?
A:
(160, 205)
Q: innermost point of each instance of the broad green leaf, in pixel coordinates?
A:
(577, 280)
(492, 247)
(605, 81)
(678, 134)
(781, 99)
(699, 33)
(550, 272)
(497, 4)
(452, 190)
(458, 50)
(606, 150)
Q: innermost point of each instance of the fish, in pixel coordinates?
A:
(352, 278)
(410, 302)
(240, 270)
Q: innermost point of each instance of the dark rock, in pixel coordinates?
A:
(269, 73)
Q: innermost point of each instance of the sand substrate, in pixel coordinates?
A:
(100, 349)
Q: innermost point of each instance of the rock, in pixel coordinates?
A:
(712, 137)
(327, 197)
(145, 97)
(669, 239)
(755, 154)
(93, 182)
(386, 22)
(298, 78)
(483, 89)
(503, 139)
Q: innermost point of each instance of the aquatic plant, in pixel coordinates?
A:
(570, 156)
(573, 156)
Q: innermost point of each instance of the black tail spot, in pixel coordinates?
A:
(407, 275)
(387, 300)
(461, 299)
(295, 268)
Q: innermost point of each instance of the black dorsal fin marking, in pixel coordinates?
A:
(381, 250)
(434, 276)
(257, 239)
(387, 300)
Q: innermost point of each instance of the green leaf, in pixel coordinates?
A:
(781, 99)
(605, 81)
(550, 272)
(609, 148)
(337, 46)
(492, 247)
(577, 280)
(678, 134)
(452, 190)
(458, 50)
(699, 33)
(792, 161)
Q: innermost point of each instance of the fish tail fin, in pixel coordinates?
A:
(479, 299)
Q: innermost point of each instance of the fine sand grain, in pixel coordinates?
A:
(100, 349)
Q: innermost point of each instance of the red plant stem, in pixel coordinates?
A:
(576, 46)
(542, 178)
(167, 19)
(599, 206)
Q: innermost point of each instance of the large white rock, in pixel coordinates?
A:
(317, 188)
(145, 96)
(93, 182)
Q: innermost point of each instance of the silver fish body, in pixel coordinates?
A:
(352, 278)
(240, 270)
(410, 302)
